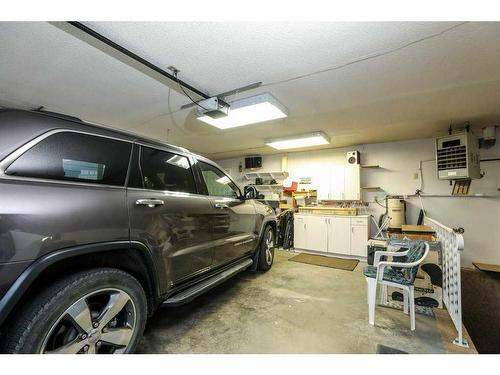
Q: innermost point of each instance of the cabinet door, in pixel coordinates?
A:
(299, 233)
(337, 183)
(339, 239)
(322, 183)
(316, 231)
(359, 238)
(351, 182)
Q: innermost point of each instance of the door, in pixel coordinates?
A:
(316, 232)
(168, 215)
(337, 182)
(299, 232)
(359, 238)
(322, 183)
(339, 240)
(351, 182)
(66, 190)
(233, 218)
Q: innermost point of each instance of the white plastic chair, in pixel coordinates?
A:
(406, 285)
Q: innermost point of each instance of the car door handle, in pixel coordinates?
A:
(151, 203)
(221, 205)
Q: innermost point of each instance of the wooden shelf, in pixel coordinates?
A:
(374, 188)
(331, 210)
(310, 193)
(274, 175)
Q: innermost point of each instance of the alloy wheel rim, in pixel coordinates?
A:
(103, 321)
(269, 247)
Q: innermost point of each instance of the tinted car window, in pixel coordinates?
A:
(218, 184)
(78, 157)
(161, 170)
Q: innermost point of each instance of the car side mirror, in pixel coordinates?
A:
(246, 196)
(249, 192)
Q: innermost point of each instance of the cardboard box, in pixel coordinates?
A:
(428, 283)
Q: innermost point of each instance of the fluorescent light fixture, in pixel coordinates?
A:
(303, 140)
(251, 110)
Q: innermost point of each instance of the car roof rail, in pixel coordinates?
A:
(57, 114)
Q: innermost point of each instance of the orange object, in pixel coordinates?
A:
(292, 187)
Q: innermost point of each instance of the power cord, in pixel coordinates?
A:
(176, 71)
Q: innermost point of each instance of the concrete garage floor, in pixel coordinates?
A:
(293, 308)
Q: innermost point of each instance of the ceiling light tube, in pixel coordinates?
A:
(298, 141)
(251, 110)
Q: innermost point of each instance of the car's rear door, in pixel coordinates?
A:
(62, 189)
(167, 214)
(233, 218)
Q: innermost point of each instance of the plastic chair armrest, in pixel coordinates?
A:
(381, 253)
(382, 265)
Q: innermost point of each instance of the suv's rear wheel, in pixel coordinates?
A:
(266, 255)
(96, 311)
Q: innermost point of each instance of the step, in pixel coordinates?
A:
(191, 293)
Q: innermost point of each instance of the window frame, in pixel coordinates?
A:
(203, 183)
(16, 154)
(139, 146)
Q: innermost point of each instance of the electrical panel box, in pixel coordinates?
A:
(457, 156)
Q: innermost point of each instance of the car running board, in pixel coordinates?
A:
(200, 288)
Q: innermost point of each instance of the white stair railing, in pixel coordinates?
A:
(452, 243)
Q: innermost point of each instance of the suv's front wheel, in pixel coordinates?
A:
(95, 311)
(266, 254)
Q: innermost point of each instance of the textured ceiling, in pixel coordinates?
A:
(358, 82)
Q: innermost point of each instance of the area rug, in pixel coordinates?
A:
(332, 262)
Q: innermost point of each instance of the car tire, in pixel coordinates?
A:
(266, 251)
(101, 310)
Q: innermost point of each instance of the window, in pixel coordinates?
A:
(218, 184)
(161, 170)
(78, 157)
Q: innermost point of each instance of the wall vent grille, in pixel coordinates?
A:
(457, 156)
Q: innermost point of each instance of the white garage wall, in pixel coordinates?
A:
(479, 216)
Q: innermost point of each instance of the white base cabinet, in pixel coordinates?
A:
(338, 234)
(299, 232)
(342, 235)
(316, 240)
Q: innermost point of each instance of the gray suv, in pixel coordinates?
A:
(98, 228)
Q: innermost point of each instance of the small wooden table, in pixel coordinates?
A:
(487, 267)
(417, 229)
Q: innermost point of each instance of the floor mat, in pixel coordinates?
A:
(332, 262)
(382, 349)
